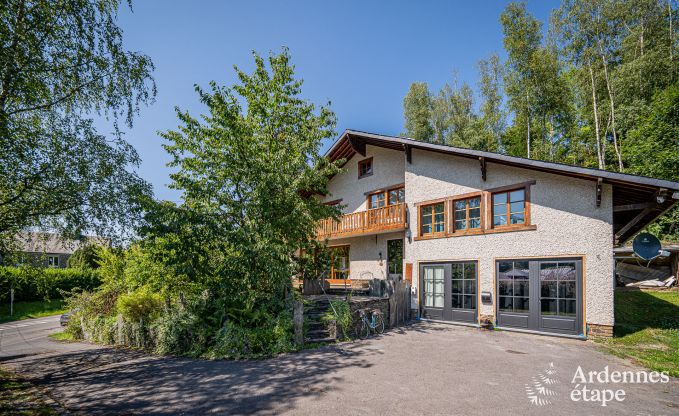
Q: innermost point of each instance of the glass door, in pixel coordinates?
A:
(395, 259)
(433, 290)
(449, 291)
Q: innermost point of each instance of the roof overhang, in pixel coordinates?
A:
(637, 200)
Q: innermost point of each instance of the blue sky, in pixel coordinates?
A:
(359, 55)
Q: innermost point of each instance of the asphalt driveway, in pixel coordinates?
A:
(422, 369)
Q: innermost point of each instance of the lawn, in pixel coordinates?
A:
(19, 397)
(27, 310)
(647, 329)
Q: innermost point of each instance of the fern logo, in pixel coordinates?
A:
(538, 391)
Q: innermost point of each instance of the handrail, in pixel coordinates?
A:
(364, 222)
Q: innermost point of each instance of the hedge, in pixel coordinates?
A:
(39, 283)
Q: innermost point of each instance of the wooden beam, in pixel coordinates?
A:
(357, 145)
(482, 162)
(409, 153)
(633, 207)
(599, 183)
(632, 223)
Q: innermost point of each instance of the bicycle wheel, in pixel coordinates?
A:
(365, 330)
(357, 329)
(379, 324)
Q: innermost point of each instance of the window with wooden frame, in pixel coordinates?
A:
(365, 167)
(510, 206)
(388, 196)
(467, 214)
(433, 219)
(339, 262)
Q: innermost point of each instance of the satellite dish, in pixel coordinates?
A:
(646, 246)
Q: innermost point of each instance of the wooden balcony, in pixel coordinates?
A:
(372, 221)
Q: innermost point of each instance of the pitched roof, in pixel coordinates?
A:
(638, 200)
(50, 243)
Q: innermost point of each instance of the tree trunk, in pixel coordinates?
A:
(600, 157)
(527, 125)
(610, 97)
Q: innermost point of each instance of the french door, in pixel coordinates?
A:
(540, 295)
(449, 291)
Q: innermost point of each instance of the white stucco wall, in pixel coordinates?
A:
(563, 209)
(364, 254)
(388, 169)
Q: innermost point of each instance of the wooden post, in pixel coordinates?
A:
(11, 302)
(298, 322)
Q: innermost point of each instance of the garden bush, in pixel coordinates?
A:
(140, 305)
(273, 337)
(31, 283)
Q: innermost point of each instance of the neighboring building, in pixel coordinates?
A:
(524, 244)
(50, 250)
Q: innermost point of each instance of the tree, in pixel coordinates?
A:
(493, 118)
(522, 40)
(417, 111)
(247, 169)
(61, 62)
(85, 257)
(656, 153)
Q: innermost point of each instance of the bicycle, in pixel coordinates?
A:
(364, 325)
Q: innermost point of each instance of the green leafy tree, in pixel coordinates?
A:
(62, 61)
(493, 117)
(85, 257)
(247, 171)
(656, 150)
(417, 112)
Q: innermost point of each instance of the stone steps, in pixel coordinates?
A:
(317, 331)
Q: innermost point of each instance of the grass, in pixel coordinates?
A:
(28, 310)
(19, 397)
(62, 337)
(646, 329)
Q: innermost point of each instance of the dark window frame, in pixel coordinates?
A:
(368, 171)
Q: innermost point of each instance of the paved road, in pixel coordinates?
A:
(423, 369)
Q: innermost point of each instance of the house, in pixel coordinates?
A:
(483, 237)
(49, 249)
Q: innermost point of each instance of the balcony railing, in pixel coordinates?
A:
(372, 221)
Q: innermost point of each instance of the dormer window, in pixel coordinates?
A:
(365, 168)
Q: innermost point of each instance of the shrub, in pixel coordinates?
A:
(32, 283)
(140, 305)
(182, 331)
(272, 337)
(340, 313)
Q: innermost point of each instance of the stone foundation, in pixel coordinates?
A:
(596, 330)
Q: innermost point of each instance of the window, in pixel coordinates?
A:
(396, 196)
(388, 196)
(509, 208)
(557, 289)
(513, 286)
(432, 219)
(365, 168)
(463, 286)
(467, 214)
(376, 200)
(53, 261)
(339, 262)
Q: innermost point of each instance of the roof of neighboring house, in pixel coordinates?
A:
(50, 243)
(638, 200)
